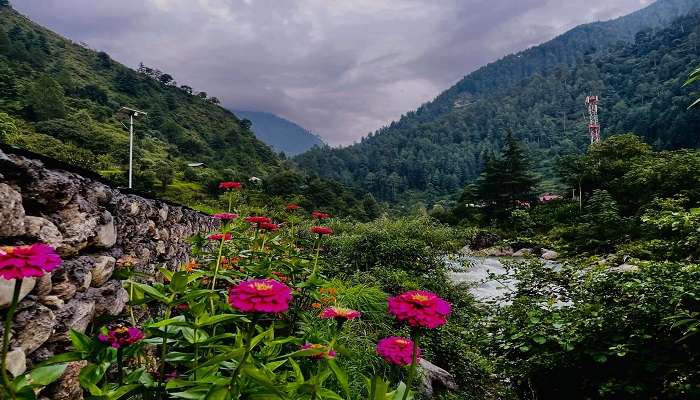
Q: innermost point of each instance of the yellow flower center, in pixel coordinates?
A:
(262, 286)
(420, 298)
(402, 341)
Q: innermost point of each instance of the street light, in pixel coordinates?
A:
(131, 113)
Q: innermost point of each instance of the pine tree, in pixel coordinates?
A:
(45, 99)
(506, 180)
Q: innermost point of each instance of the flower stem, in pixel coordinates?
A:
(414, 365)
(163, 353)
(6, 338)
(120, 365)
(131, 298)
(248, 342)
(230, 197)
(216, 271)
(318, 252)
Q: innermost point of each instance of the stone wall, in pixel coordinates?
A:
(96, 229)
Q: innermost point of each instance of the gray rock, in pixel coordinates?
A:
(76, 315)
(42, 230)
(525, 252)
(11, 212)
(33, 325)
(16, 362)
(43, 285)
(497, 252)
(106, 235)
(435, 378)
(7, 288)
(68, 387)
(64, 290)
(52, 302)
(78, 228)
(109, 299)
(625, 268)
(549, 255)
(102, 270)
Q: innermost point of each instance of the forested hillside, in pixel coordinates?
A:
(62, 98)
(539, 95)
(280, 133)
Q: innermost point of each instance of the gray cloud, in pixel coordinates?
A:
(339, 68)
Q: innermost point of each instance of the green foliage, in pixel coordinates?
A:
(45, 99)
(539, 94)
(616, 329)
(694, 77)
(8, 129)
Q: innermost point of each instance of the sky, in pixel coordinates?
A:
(341, 68)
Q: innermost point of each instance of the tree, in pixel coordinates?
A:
(5, 3)
(506, 180)
(694, 77)
(186, 89)
(5, 44)
(45, 99)
(214, 100)
(371, 207)
(165, 79)
(8, 129)
(165, 173)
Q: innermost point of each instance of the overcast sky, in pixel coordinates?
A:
(341, 68)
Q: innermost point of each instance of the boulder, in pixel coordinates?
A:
(549, 255)
(435, 379)
(106, 235)
(102, 270)
(625, 268)
(42, 230)
(33, 325)
(77, 315)
(16, 362)
(52, 302)
(7, 288)
(11, 212)
(109, 299)
(524, 252)
(497, 252)
(68, 387)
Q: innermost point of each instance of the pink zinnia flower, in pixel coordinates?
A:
(258, 220)
(260, 295)
(220, 236)
(320, 215)
(26, 261)
(121, 336)
(230, 185)
(268, 226)
(322, 230)
(292, 207)
(396, 350)
(419, 308)
(340, 313)
(225, 216)
(326, 353)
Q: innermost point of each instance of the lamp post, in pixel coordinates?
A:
(131, 113)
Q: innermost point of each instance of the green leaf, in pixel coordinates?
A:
(340, 375)
(80, 341)
(218, 393)
(231, 355)
(198, 393)
(379, 387)
(275, 364)
(177, 321)
(152, 292)
(178, 283)
(601, 358)
(44, 376)
(216, 319)
(539, 339)
(122, 391)
(61, 358)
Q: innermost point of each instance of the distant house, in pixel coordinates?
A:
(547, 197)
(196, 165)
(255, 179)
(522, 203)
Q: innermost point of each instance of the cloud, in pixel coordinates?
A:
(339, 68)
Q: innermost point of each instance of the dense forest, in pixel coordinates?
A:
(539, 96)
(61, 99)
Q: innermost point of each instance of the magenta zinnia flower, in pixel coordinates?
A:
(340, 313)
(326, 353)
(26, 261)
(230, 185)
(322, 230)
(292, 207)
(320, 215)
(220, 236)
(121, 336)
(419, 308)
(225, 216)
(260, 295)
(396, 350)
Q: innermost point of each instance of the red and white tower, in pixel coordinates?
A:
(593, 124)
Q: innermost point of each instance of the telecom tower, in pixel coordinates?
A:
(593, 125)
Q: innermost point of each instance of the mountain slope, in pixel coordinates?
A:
(280, 133)
(62, 97)
(539, 95)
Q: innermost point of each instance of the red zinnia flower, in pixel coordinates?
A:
(260, 295)
(230, 185)
(320, 215)
(121, 336)
(268, 226)
(258, 220)
(225, 216)
(292, 207)
(340, 313)
(220, 236)
(326, 353)
(396, 350)
(419, 308)
(26, 261)
(322, 230)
